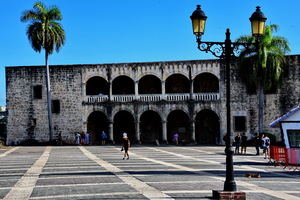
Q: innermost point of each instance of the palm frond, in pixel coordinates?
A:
(265, 67)
(44, 32)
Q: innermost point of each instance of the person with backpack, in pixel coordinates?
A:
(265, 145)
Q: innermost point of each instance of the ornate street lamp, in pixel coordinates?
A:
(227, 51)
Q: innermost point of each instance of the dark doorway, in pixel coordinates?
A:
(149, 85)
(123, 85)
(207, 127)
(96, 123)
(124, 122)
(206, 82)
(178, 122)
(177, 83)
(150, 127)
(97, 86)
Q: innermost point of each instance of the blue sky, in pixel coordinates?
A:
(112, 31)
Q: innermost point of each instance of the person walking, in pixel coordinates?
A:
(237, 141)
(265, 145)
(125, 147)
(244, 140)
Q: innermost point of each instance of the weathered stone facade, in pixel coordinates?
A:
(119, 97)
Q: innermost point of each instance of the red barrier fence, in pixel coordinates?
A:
(285, 156)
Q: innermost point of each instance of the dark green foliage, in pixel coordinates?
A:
(44, 32)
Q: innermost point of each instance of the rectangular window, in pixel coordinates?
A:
(240, 123)
(294, 138)
(37, 92)
(55, 106)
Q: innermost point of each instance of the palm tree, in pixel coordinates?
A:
(44, 32)
(261, 67)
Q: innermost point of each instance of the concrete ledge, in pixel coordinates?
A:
(226, 195)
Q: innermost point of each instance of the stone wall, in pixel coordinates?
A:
(27, 117)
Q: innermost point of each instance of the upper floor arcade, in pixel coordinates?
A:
(150, 82)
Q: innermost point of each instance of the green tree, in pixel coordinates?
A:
(44, 32)
(262, 69)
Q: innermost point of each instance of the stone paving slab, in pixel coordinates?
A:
(78, 180)
(165, 172)
(3, 192)
(85, 189)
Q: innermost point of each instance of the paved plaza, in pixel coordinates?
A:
(165, 172)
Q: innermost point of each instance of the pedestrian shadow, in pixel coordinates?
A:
(252, 163)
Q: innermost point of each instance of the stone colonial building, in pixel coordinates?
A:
(150, 101)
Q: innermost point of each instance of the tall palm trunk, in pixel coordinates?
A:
(49, 102)
(261, 101)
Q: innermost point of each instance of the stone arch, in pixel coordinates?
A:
(119, 109)
(96, 85)
(123, 121)
(181, 108)
(97, 122)
(123, 85)
(140, 74)
(170, 70)
(194, 75)
(207, 127)
(178, 122)
(177, 83)
(87, 77)
(150, 84)
(206, 82)
(154, 109)
(150, 127)
(206, 107)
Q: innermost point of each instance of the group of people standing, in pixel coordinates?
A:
(240, 141)
(260, 142)
(83, 138)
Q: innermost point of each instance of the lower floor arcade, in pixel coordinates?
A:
(154, 127)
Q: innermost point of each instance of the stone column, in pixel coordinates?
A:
(136, 89)
(191, 89)
(191, 83)
(137, 131)
(108, 70)
(111, 131)
(193, 131)
(164, 131)
(110, 91)
(163, 89)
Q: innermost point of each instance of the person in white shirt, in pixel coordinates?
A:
(265, 145)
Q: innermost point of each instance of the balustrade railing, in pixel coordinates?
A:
(177, 97)
(97, 99)
(154, 97)
(123, 98)
(206, 96)
(150, 97)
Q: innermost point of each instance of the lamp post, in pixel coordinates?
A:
(227, 51)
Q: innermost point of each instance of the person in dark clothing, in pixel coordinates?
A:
(126, 145)
(244, 143)
(237, 141)
(257, 142)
